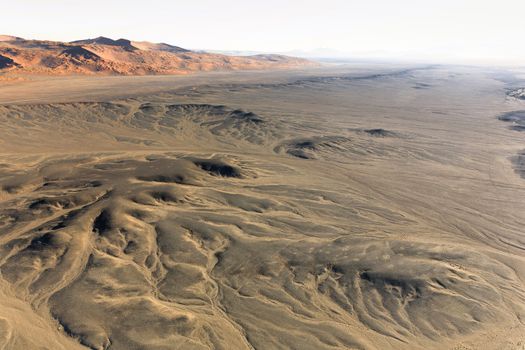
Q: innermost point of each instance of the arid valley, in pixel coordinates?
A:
(352, 207)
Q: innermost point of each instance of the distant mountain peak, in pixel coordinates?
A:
(102, 40)
(148, 46)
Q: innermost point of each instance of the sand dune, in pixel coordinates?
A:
(323, 212)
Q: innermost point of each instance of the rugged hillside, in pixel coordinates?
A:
(124, 57)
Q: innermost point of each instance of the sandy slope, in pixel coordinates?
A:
(340, 211)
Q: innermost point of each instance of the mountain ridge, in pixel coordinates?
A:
(105, 56)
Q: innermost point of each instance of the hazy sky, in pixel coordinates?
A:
(463, 29)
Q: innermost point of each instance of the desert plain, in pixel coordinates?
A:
(344, 207)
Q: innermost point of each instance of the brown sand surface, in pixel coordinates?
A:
(337, 208)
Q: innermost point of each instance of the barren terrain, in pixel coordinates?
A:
(352, 208)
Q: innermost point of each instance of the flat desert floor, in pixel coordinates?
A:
(338, 208)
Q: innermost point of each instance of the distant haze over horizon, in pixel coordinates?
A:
(449, 31)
